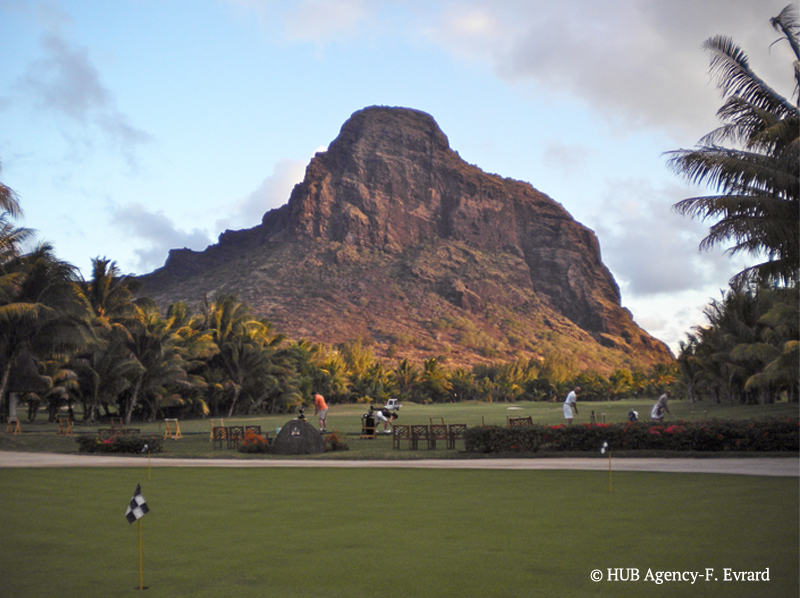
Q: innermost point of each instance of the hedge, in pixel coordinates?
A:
(713, 435)
(123, 443)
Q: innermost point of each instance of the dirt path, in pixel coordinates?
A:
(780, 466)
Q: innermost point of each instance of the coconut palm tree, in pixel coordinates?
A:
(42, 311)
(758, 175)
(9, 202)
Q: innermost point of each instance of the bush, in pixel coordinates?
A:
(122, 443)
(757, 436)
(254, 443)
(333, 442)
(495, 439)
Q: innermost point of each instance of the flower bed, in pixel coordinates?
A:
(758, 436)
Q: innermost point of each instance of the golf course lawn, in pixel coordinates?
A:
(317, 532)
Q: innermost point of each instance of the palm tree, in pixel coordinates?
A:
(433, 384)
(157, 347)
(11, 239)
(404, 378)
(42, 311)
(9, 202)
(246, 347)
(759, 176)
(105, 371)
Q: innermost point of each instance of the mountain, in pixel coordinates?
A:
(394, 239)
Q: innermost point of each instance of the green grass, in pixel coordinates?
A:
(397, 533)
(41, 436)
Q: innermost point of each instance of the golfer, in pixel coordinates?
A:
(321, 409)
(387, 417)
(660, 408)
(571, 404)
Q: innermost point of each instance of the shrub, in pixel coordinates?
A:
(122, 443)
(495, 439)
(759, 436)
(254, 443)
(333, 442)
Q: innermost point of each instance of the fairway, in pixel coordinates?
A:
(397, 533)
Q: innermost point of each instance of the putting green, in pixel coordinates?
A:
(396, 533)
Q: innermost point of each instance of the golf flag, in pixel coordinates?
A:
(604, 448)
(137, 508)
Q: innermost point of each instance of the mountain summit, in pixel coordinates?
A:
(394, 239)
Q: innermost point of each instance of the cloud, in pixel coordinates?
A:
(637, 62)
(160, 233)
(66, 84)
(273, 192)
(651, 249)
(565, 157)
(319, 21)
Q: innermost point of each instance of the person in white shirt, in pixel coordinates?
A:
(571, 404)
(660, 408)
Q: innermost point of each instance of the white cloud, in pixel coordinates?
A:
(65, 83)
(273, 192)
(158, 231)
(652, 250)
(565, 157)
(637, 62)
(320, 21)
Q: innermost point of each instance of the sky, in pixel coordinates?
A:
(132, 127)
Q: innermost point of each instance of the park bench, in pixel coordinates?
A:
(455, 432)
(400, 432)
(420, 432)
(219, 434)
(520, 421)
(213, 425)
(235, 436)
(437, 432)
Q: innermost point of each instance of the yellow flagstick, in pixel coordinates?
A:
(141, 575)
(610, 488)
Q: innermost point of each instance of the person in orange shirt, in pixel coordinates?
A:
(321, 409)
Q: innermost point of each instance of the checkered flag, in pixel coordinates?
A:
(604, 448)
(137, 507)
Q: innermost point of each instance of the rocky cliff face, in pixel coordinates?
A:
(393, 238)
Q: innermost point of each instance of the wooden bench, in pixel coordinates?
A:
(420, 432)
(520, 421)
(219, 434)
(399, 433)
(455, 432)
(437, 432)
(254, 429)
(213, 425)
(235, 436)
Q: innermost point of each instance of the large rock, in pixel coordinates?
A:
(393, 238)
(298, 437)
